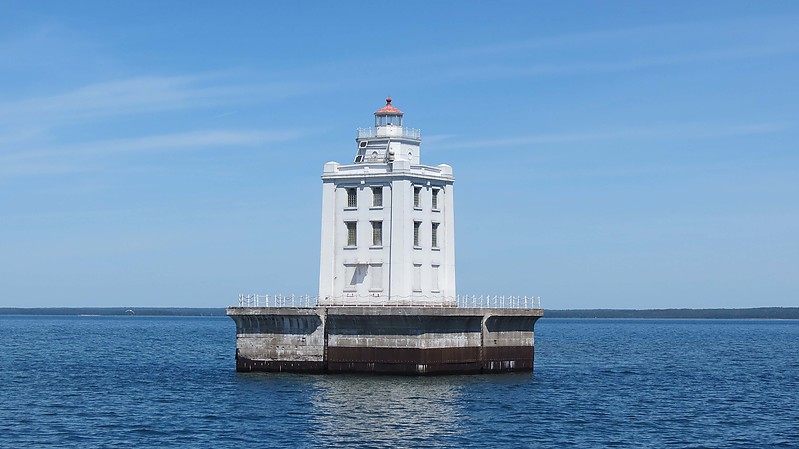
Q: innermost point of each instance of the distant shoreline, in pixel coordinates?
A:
(763, 313)
(783, 313)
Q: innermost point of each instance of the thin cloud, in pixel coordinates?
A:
(685, 131)
(762, 29)
(38, 168)
(438, 138)
(21, 137)
(509, 71)
(615, 50)
(48, 160)
(144, 95)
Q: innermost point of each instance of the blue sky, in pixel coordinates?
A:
(606, 154)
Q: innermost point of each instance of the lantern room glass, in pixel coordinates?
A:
(384, 120)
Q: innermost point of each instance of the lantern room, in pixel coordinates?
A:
(388, 115)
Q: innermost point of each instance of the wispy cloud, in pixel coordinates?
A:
(47, 46)
(619, 65)
(144, 95)
(68, 158)
(760, 29)
(680, 131)
(615, 50)
(20, 137)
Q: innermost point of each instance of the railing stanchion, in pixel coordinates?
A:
(465, 301)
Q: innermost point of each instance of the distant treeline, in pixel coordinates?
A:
(754, 313)
(115, 311)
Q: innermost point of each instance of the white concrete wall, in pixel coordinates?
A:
(396, 271)
(394, 262)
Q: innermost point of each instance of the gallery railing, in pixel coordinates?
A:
(466, 301)
(411, 133)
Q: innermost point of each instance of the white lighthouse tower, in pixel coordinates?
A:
(388, 234)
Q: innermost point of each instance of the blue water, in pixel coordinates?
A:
(170, 382)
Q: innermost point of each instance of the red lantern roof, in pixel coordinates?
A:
(388, 109)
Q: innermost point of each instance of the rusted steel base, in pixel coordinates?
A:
(404, 360)
(387, 341)
(244, 365)
(430, 361)
(501, 359)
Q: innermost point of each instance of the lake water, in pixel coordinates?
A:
(171, 382)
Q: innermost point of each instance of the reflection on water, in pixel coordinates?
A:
(383, 411)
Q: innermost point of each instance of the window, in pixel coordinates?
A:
(354, 275)
(352, 198)
(416, 226)
(434, 235)
(376, 276)
(377, 233)
(377, 196)
(435, 199)
(417, 191)
(434, 280)
(350, 280)
(417, 277)
(352, 233)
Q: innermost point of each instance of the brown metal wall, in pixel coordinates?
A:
(498, 346)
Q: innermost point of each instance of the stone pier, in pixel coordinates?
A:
(378, 339)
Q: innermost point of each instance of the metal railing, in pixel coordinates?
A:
(465, 301)
(248, 300)
(410, 133)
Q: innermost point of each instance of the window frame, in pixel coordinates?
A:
(375, 196)
(352, 233)
(352, 198)
(416, 281)
(377, 233)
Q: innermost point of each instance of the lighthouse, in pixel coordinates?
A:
(388, 228)
(387, 301)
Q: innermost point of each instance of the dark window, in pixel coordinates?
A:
(352, 198)
(377, 233)
(352, 233)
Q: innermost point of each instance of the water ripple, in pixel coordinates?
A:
(170, 382)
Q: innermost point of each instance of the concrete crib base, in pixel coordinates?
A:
(391, 340)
